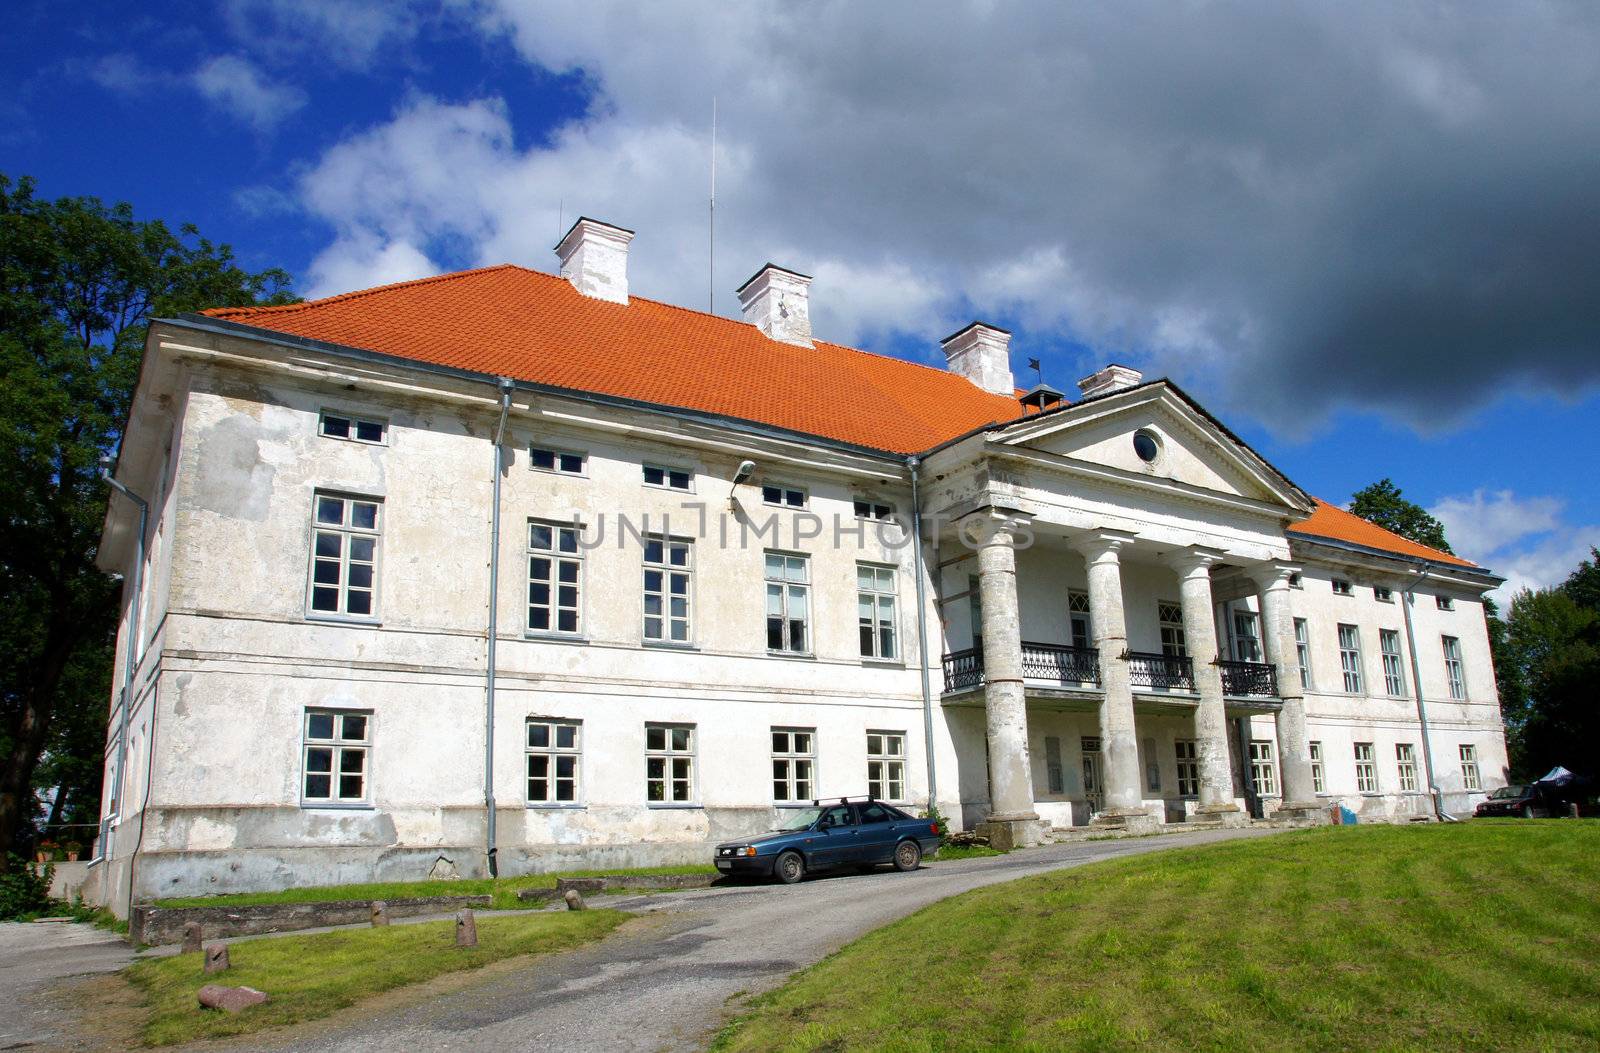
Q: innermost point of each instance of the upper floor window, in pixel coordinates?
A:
(670, 478)
(553, 750)
(1246, 637)
(1453, 669)
(1350, 657)
(555, 577)
(783, 496)
(1302, 648)
(788, 602)
(975, 611)
(335, 750)
(1389, 644)
(1341, 587)
(344, 555)
(867, 508)
(355, 429)
(1297, 581)
(1173, 642)
(875, 611)
(668, 565)
(1444, 603)
(1080, 619)
(1383, 594)
(562, 462)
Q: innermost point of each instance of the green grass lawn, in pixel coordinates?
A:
(1479, 936)
(311, 976)
(504, 890)
(967, 852)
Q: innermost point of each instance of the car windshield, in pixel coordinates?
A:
(1509, 791)
(800, 820)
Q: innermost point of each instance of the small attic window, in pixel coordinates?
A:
(1146, 445)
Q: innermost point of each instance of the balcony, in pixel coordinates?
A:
(1248, 679)
(1160, 672)
(1042, 663)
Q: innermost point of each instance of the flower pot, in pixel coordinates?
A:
(72, 857)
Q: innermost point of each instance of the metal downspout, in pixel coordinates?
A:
(922, 632)
(130, 666)
(1409, 597)
(506, 386)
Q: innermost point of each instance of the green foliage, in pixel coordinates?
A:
(1383, 503)
(24, 890)
(1548, 666)
(79, 283)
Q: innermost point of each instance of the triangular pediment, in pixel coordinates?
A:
(1155, 432)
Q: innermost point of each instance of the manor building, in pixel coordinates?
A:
(505, 571)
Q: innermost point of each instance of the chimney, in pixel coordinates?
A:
(1112, 378)
(778, 302)
(594, 258)
(981, 353)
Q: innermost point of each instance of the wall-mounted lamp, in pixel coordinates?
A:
(745, 471)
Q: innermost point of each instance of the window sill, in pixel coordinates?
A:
(561, 638)
(668, 645)
(802, 656)
(343, 619)
(337, 806)
(553, 806)
(883, 663)
(668, 806)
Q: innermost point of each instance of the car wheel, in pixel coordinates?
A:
(907, 856)
(1527, 811)
(789, 868)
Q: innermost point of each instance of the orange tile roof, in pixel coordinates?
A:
(1334, 523)
(532, 326)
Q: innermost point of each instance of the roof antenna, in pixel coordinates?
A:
(561, 218)
(711, 266)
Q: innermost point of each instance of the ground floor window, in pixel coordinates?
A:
(1263, 770)
(1405, 762)
(669, 763)
(886, 765)
(1469, 768)
(1188, 768)
(552, 761)
(1054, 777)
(337, 742)
(794, 760)
(1317, 783)
(1366, 769)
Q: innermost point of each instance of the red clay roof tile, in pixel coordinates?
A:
(1336, 524)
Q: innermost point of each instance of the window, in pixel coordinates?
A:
(1296, 581)
(1146, 445)
(783, 496)
(1152, 766)
(975, 611)
(1453, 669)
(1444, 603)
(867, 508)
(875, 611)
(1469, 769)
(1188, 768)
(1302, 648)
(1405, 763)
(1389, 644)
(1317, 784)
(1350, 657)
(669, 763)
(671, 478)
(1366, 769)
(794, 763)
(344, 426)
(555, 577)
(668, 565)
(1078, 615)
(344, 555)
(1263, 772)
(1341, 587)
(1383, 594)
(886, 765)
(562, 462)
(553, 749)
(336, 746)
(1170, 615)
(1246, 637)
(1055, 777)
(788, 603)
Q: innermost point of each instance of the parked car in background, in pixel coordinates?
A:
(1519, 799)
(848, 833)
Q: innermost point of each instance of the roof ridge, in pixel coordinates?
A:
(356, 294)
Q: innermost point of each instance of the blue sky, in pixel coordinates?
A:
(1368, 238)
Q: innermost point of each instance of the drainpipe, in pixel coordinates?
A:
(130, 659)
(922, 631)
(1416, 680)
(506, 386)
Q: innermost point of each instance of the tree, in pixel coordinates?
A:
(1382, 503)
(79, 283)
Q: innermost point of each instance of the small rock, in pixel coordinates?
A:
(574, 900)
(230, 999)
(216, 957)
(191, 937)
(466, 929)
(380, 913)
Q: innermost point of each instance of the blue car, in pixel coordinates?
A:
(851, 833)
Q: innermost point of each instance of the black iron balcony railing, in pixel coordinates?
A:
(1248, 679)
(1162, 672)
(1042, 663)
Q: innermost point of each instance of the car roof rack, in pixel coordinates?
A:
(820, 801)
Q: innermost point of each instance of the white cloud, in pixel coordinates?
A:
(362, 261)
(234, 84)
(346, 33)
(1527, 540)
(124, 74)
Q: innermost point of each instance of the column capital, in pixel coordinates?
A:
(1195, 559)
(983, 526)
(1274, 573)
(1101, 544)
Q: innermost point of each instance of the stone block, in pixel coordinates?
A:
(230, 999)
(1007, 834)
(216, 957)
(466, 929)
(380, 913)
(192, 938)
(574, 899)
(580, 884)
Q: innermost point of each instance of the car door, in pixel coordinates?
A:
(838, 838)
(877, 833)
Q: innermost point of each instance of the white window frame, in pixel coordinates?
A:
(1302, 647)
(337, 744)
(794, 765)
(669, 760)
(352, 537)
(1455, 672)
(1470, 780)
(667, 472)
(1383, 594)
(886, 765)
(1366, 769)
(872, 508)
(1080, 619)
(1318, 776)
(1174, 640)
(796, 497)
(1350, 658)
(1405, 766)
(352, 424)
(786, 589)
(1342, 587)
(674, 591)
(1247, 637)
(1297, 581)
(1187, 752)
(1263, 768)
(876, 596)
(552, 753)
(558, 459)
(565, 552)
(1393, 671)
(1444, 603)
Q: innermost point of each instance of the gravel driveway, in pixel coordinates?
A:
(35, 958)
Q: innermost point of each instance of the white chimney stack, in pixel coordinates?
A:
(594, 258)
(981, 353)
(778, 302)
(1112, 378)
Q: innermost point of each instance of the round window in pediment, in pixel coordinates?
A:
(1146, 445)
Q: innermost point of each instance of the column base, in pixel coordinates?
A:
(1131, 821)
(1004, 834)
(1227, 815)
(1310, 813)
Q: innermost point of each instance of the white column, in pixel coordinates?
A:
(1277, 635)
(1200, 637)
(1119, 745)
